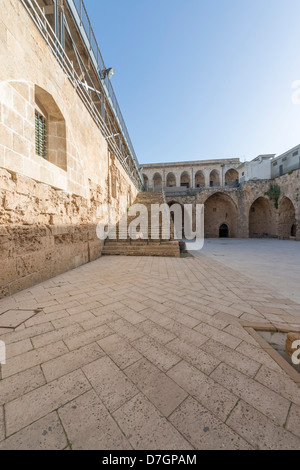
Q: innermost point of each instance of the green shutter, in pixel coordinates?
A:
(40, 135)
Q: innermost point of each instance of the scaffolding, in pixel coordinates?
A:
(65, 26)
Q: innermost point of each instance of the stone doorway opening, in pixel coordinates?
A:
(220, 212)
(224, 231)
(262, 219)
(287, 219)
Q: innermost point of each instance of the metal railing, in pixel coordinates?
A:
(94, 50)
(38, 16)
(182, 191)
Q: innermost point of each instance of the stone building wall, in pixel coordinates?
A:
(198, 172)
(234, 207)
(48, 206)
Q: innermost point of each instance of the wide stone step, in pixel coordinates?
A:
(127, 246)
(146, 250)
(128, 242)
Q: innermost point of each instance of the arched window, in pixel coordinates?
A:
(199, 180)
(214, 179)
(231, 178)
(171, 180)
(185, 180)
(146, 181)
(50, 129)
(157, 182)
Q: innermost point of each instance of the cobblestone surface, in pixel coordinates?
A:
(146, 353)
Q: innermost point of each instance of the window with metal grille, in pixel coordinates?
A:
(40, 135)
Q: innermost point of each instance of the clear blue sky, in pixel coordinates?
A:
(203, 79)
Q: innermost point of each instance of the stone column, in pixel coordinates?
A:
(207, 178)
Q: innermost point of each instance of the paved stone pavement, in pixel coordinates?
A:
(146, 353)
(275, 263)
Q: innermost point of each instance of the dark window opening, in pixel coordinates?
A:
(40, 135)
(293, 230)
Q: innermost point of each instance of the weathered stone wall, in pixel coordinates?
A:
(233, 206)
(62, 237)
(48, 206)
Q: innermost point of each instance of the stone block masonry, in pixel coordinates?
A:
(43, 231)
(54, 178)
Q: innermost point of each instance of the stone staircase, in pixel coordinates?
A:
(158, 246)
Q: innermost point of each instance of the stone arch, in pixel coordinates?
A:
(185, 180)
(262, 218)
(287, 219)
(214, 179)
(157, 181)
(171, 180)
(232, 178)
(220, 209)
(146, 181)
(199, 179)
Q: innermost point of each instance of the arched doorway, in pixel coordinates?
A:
(220, 211)
(231, 178)
(262, 219)
(215, 179)
(224, 231)
(146, 181)
(199, 180)
(185, 180)
(171, 180)
(157, 182)
(287, 219)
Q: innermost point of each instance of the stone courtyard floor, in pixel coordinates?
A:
(147, 353)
